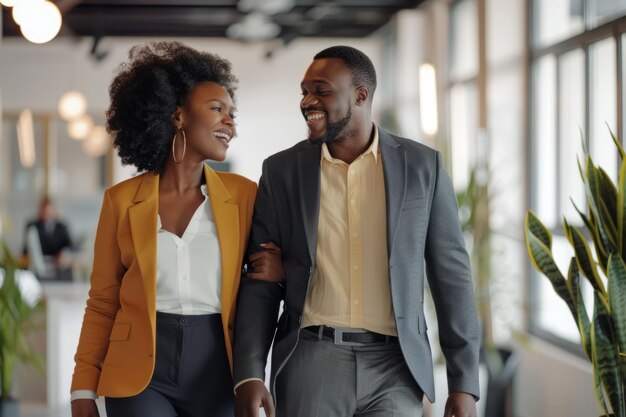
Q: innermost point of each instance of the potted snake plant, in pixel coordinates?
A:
(602, 336)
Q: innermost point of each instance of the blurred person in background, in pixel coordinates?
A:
(48, 245)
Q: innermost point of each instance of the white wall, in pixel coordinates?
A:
(552, 382)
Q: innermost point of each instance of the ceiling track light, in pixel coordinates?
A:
(254, 27)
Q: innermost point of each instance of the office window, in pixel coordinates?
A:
(601, 11)
(575, 100)
(603, 104)
(571, 128)
(544, 109)
(555, 20)
(463, 92)
(464, 40)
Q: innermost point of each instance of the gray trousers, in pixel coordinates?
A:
(322, 379)
(191, 376)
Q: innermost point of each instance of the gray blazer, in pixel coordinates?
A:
(423, 233)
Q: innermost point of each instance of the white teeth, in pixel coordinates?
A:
(221, 135)
(315, 116)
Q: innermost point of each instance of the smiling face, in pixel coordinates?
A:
(328, 94)
(207, 118)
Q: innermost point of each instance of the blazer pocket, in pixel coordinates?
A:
(413, 203)
(120, 332)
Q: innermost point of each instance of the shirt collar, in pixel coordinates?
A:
(373, 149)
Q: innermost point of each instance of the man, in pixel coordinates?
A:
(358, 213)
(49, 237)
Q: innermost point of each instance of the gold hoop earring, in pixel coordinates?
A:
(178, 161)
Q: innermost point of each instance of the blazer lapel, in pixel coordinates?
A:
(309, 189)
(143, 226)
(226, 214)
(394, 169)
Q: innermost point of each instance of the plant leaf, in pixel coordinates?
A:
(605, 354)
(617, 143)
(573, 284)
(585, 260)
(592, 189)
(593, 230)
(608, 193)
(535, 227)
(541, 257)
(597, 387)
(617, 303)
(621, 210)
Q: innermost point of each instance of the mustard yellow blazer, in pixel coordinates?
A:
(115, 355)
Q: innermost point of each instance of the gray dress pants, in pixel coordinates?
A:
(191, 375)
(322, 379)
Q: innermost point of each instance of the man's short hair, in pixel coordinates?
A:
(361, 67)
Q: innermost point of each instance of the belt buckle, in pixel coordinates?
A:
(339, 337)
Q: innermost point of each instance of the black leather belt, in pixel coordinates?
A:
(351, 337)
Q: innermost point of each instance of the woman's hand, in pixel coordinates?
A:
(267, 265)
(84, 408)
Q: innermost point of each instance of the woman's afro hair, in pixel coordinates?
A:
(147, 90)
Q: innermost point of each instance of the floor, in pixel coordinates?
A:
(41, 410)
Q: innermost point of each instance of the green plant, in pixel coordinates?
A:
(17, 318)
(603, 338)
(474, 217)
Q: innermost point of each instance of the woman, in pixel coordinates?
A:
(169, 245)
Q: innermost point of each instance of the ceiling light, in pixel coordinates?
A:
(254, 27)
(428, 99)
(9, 3)
(80, 127)
(98, 142)
(22, 8)
(72, 105)
(265, 6)
(42, 22)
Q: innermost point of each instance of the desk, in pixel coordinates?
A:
(65, 306)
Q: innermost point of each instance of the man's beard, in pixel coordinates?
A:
(333, 130)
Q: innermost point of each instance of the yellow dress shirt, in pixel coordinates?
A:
(350, 284)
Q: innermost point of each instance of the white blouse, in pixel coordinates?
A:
(189, 268)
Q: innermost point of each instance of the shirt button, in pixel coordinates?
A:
(355, 234)
(356, 301)
(352, 171)
(355, 267)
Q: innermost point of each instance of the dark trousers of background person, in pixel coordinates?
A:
(191, 375)
(324, 379)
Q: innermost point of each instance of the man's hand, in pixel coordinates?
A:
(250, 396)
(84, 408)
(460, 404)
(268, 264)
